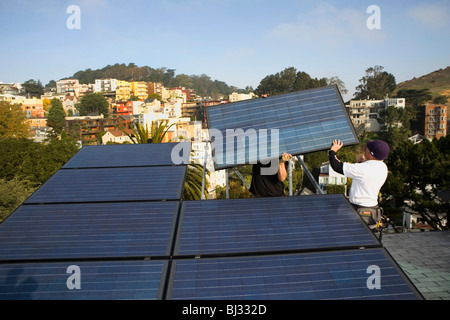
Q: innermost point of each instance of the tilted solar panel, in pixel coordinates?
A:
(112, 184)
(128, 155)
(349, 274)
(269, 224)
(297, 122)
(96, 230)
(110, 280)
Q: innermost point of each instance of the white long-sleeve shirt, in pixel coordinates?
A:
(367, 179)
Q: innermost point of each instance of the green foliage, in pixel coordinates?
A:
(93, 103)
(193, 183)
(33, 88)
(417, 173)
(25, 165)
(376, 84)
(13, 122)
(335, 189)
(26, 160)
(288, 80)
(415, 97)
(142, 134)
(395, 125)
(440, 100)
(236, 191)
(56, 116)
(202, 84)
(12, 193)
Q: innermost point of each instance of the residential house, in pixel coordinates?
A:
(435, 121)
(328, 176)
(241, 96)
(33, 107)
(123, 90)
(124, 108)
(68, 86)
(139, 89)
(117, 136)
(89, 128)
(364, 114)
(105, 85)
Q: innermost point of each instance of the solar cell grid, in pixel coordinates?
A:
(307, 121)
(88, 230)
(325, 275)
(129, 155)
(269, 224)
(112, 184)
(99, 280)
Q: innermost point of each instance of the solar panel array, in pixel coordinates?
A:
(306, 121)
(73, 240)
(110, 213)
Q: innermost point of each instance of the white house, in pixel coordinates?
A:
(330, 177)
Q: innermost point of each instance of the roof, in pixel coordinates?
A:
(425, 259)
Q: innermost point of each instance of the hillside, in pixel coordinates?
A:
(202, 84)
(437, 81)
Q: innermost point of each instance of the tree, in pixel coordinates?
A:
(13, 122)
(142, 134)
(56, 116)
(194, 174)
(440, 100)
(417, 174)
(34, 162)
(339, 83)
(376, 84)
(93, 103)
(12, 193)
(415, 100)
(33, 88)
(288, 80)
(395, 125)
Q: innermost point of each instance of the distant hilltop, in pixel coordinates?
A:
(437, 81)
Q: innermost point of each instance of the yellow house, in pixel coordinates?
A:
(123, 90)
(139, 89)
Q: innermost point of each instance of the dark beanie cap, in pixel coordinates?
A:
(379, 149)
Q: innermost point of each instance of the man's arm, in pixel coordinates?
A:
(336, 164)
(282, 173)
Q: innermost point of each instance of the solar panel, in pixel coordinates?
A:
(306, 121)
(319, 275)
(96, 230)
(112, 184)
(269, 224)
(128, 155)
(98, 280)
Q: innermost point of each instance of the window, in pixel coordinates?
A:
(431, 111)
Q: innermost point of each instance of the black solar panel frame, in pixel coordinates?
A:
(240, 104)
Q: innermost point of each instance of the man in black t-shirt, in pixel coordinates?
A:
(269, 185)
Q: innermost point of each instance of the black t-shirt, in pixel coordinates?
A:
(266, 185)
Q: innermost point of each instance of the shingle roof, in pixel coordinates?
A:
(425, 258)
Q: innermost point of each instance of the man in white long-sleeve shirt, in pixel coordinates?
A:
(367, 176)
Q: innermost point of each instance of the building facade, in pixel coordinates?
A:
(364, 114)
(435, 121)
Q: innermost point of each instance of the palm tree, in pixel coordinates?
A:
(194, 175)
(142, 134)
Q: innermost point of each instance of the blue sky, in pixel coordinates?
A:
(236, 41)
